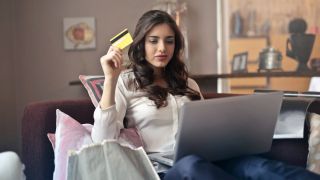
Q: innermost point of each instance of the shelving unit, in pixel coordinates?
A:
(278, 13)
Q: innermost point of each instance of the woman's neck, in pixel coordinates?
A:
(159, 77)
(158, 72)
(160, 82)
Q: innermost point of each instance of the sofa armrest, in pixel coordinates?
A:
(39, 119)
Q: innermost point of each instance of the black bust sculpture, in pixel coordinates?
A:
(299, 44)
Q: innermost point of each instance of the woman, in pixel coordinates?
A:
(149, 94)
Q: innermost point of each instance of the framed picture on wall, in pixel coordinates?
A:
(79, 33)
(239, 62)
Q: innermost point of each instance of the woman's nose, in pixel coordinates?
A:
(162, 46)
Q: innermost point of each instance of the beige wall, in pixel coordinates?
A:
(8, 127)
(202, 30)
(40, 69)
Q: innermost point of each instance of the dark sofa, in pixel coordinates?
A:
(40, 118)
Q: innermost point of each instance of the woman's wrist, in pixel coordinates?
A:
(108, 95)
(110, 79)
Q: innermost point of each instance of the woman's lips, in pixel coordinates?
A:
(161, 57)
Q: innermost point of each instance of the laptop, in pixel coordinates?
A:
(222, 128)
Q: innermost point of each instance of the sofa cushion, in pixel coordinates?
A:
(94, 87)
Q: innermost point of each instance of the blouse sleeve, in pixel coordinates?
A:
(108, 122)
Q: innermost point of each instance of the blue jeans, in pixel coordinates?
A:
(247, 167)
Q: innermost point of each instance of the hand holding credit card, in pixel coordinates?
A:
(122, 40)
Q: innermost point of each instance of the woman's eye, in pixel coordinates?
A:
(170, 41)
(153, 41)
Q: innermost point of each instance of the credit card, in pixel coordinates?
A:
(122, 40)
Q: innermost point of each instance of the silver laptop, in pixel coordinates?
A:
(223, 128)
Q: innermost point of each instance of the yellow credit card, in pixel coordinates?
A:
(122, 40)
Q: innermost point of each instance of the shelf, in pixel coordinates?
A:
(262, 74)
(209, 83)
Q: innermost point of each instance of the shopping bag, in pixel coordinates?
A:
(110, 160)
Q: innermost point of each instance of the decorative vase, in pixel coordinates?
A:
(299, 47)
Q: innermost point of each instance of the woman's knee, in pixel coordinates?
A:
(195, 167)
(187, 164)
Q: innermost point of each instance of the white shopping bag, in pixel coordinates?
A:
(110, 160)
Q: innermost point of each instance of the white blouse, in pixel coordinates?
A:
(157, 127)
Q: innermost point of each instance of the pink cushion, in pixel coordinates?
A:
(70, 135)
(94, 87)
(131, 136)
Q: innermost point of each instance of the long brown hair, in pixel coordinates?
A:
(175, 73)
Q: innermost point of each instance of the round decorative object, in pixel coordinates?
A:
(270, 60)
(80, 33)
